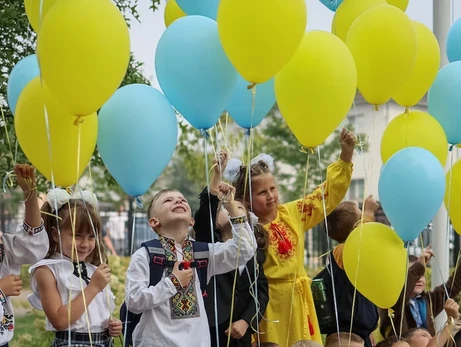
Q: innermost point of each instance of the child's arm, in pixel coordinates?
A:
(55, 310)
(452, 309)
(29, 243)
(310, 211)
(140, 296)
(202, 224)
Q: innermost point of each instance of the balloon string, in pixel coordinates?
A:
(404, 296)
(375, 108)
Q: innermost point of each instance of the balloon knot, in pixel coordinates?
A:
(451, 148)
(251, 86)
(390, 312)
(307, 150)
(407, 110)
(375, 107)
(406, 244)
(205, 133)
(248, 131)
(139, 203)
(79, 120)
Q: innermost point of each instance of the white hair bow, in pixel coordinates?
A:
(57, 197)
(232, 170)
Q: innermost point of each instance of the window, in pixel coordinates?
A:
(357, 121)
(356, 189)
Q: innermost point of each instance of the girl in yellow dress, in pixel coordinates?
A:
(290, 315)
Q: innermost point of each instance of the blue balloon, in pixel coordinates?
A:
(332, 4)
(411, 189)
(240, 104)
(137, 136)
(454, 42)
(23, 72)
(193, 70)
(206, 8)
(444, 101)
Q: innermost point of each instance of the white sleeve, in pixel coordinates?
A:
(235, 252)
(139, 297)
(27, 245)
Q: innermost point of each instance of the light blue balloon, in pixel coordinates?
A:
(444, 101)
(454, 42)
(332, 4)
(23, 72)
(206, 8)
(193, 70)
(137, 136)
(411, 190)
(240, 104)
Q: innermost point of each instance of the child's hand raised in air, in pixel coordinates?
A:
(452, 309)
(11, 285)
(427, 255)
(370, 206)
(348, 142)
(220, 163)
(100, 278)
(25, 175)
(226, 191)
(115, 327)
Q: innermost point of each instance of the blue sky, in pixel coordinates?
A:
(145, 35)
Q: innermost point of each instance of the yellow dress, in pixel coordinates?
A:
(290, 315)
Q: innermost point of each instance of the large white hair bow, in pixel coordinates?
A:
(57, 197)
(232, 170)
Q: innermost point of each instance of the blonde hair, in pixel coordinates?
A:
(306, 343)
(334, 339)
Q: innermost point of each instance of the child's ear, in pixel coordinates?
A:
(54, 234)
(154, 222)
(192, 222)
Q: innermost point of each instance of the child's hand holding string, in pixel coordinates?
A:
(25, 176)
(348, 142)
(220, 164)
(11, 285)
(426, 255)
(101, 278)
(115, 327)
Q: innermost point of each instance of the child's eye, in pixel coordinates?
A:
(92, 236)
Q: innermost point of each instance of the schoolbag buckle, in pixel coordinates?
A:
(158, 260)
(202, 263)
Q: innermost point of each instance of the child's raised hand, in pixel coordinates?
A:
(348, 142)
(25, 175)
(370, 206)
(226, 191)
(452, 309)
(100, 278)
(184, 276)
(220, 162)
(427, 255)
(115, 327)
(11, 285)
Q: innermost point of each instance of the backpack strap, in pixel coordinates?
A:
(201, 255)
(157, 261)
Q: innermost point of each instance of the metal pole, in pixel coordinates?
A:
(441, 24)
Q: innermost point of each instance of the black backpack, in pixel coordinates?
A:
(157, 265)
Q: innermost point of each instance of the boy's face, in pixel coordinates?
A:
(420, 338)
(170, 208)
(420, 286)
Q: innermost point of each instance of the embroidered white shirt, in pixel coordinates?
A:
(158, 326)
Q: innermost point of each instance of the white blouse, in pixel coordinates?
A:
(71, 286)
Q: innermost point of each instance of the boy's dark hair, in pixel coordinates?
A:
(334, 339)
(389, 342)
(155, 198)
(342, 220)
(409, 334)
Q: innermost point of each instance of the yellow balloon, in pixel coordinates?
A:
(172, 12)
(402, 4)
(424, 70)
(261, 36)
(33, 11)
(83, 50)
(348, 12)
(453, 195)
(415, 129)
(375, 262)
(383, 43)
(317, 87)
(29, 122)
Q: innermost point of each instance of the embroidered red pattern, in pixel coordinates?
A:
(306, 206)
(281, 240)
